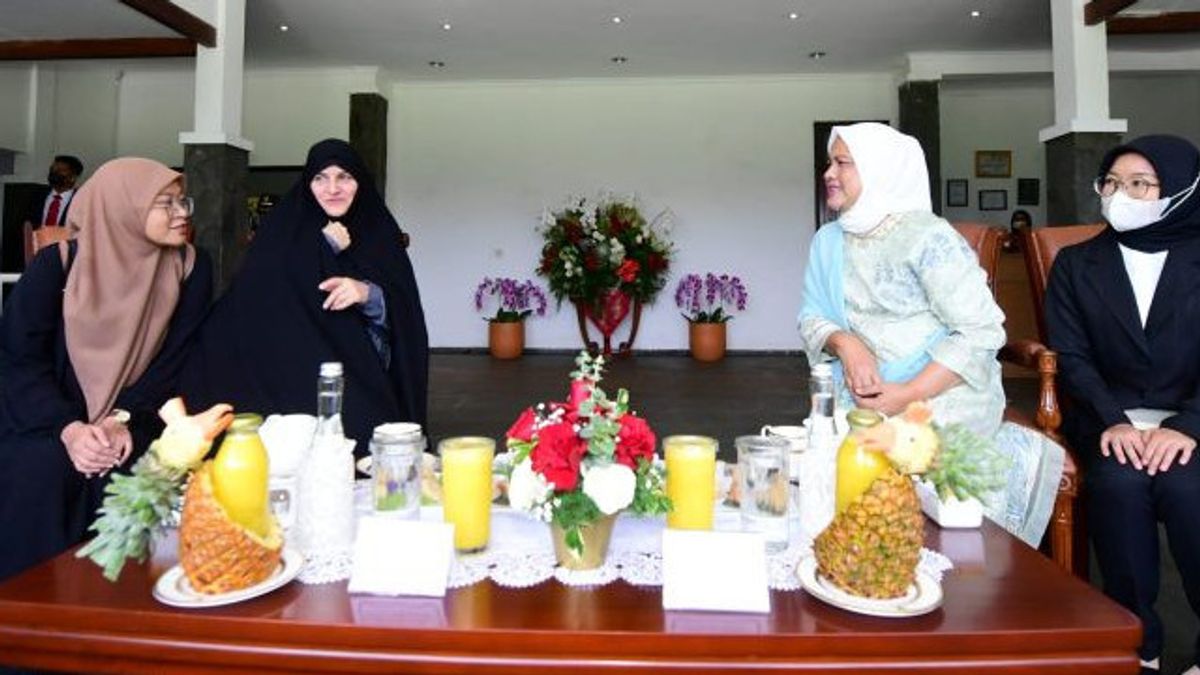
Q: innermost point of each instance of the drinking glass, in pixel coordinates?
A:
(691, 481)
(467, 489)
(763, 469)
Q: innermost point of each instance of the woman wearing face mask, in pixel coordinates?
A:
(897, 299)
(91, 345)
(326, 278)
(1122, 311)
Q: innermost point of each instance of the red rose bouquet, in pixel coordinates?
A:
(579, 460)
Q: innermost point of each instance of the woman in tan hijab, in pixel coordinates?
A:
(91, 342)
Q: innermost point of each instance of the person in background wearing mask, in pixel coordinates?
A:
(50, 207)
(1122, 311)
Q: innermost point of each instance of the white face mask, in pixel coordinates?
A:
(1125, 213)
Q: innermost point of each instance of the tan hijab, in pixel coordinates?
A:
(122, 288)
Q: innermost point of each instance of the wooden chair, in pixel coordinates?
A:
(36, 240)
(1066, 538)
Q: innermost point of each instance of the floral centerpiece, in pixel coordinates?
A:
(711, 299)
(577, 463)
(514, 300)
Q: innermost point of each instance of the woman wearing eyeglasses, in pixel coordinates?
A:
(1123, 313)
(91, 344)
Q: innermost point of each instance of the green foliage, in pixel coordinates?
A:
(134, 506)
(650, 497)
(967, 464)
(573, 510)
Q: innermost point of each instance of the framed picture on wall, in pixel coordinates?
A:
(1028, 191)
(956, 192)
(993, 200)
(993, 163)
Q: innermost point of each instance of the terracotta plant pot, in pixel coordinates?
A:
(595, 544)
(506, 339)
(707, 341)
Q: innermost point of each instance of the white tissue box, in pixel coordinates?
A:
(951, 512)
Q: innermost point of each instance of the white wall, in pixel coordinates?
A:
(473, 165)
(14, 106)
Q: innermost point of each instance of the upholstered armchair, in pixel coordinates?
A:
(1066, 538)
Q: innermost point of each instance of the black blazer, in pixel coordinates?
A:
(1107, 362)
(37, 203)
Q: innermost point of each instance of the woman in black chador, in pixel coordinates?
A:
(326, 278)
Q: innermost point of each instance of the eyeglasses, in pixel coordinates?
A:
(184, 205)
(1137, 187)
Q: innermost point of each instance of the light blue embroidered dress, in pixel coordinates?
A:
(913, 291)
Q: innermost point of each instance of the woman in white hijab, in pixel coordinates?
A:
(897, 299)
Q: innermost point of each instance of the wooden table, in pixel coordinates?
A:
(1007, 609)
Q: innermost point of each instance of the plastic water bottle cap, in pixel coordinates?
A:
(331, 369)
(823, 369)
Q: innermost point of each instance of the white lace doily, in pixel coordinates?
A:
(520, 553)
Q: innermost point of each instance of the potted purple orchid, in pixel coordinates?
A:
(707, 303)
(513, 301)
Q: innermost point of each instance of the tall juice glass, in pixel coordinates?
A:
(691, 478)
(467, 489)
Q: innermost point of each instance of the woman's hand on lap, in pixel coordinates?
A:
(1125, 442)
(1163, 447)
(119, 437)
(858, 363)
(892, 399)
(89, 448)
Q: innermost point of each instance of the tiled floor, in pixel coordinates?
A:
(473, 394)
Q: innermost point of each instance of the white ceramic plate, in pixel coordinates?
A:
(173, 589)
(923, 597)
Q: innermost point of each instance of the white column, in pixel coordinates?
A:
(219, 81)
(1080, 74)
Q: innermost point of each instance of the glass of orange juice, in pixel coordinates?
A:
(691, 478)
(467, 489)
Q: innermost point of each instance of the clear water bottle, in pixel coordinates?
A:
(818, 469)
(325, 518)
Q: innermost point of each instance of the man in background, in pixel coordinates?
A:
(50, 206)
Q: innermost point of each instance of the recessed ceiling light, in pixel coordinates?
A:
(446, 26)
(817, 55)
(616, 19)
(283, 28)
(437, 64)
(975, 14)
(619, 60)
(794, 15)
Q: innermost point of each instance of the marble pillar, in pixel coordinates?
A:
(920, 117)
(368, 134)
(216, 180)
(1071, 163)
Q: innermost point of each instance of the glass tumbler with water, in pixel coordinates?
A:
(763, 465)
(396, 469)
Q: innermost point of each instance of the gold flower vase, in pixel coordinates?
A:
(595, 544)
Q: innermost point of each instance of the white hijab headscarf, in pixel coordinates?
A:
(891, 166)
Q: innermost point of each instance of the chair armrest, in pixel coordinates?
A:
(1024, 352)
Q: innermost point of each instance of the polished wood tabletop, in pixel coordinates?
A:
(1006, 609)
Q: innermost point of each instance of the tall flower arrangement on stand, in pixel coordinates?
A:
(592, 247)
(577, 461)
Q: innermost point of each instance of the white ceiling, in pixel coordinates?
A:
(502, 39)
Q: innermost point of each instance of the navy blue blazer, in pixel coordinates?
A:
(1107, 362)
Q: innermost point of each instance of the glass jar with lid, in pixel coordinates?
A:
(396, 450)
